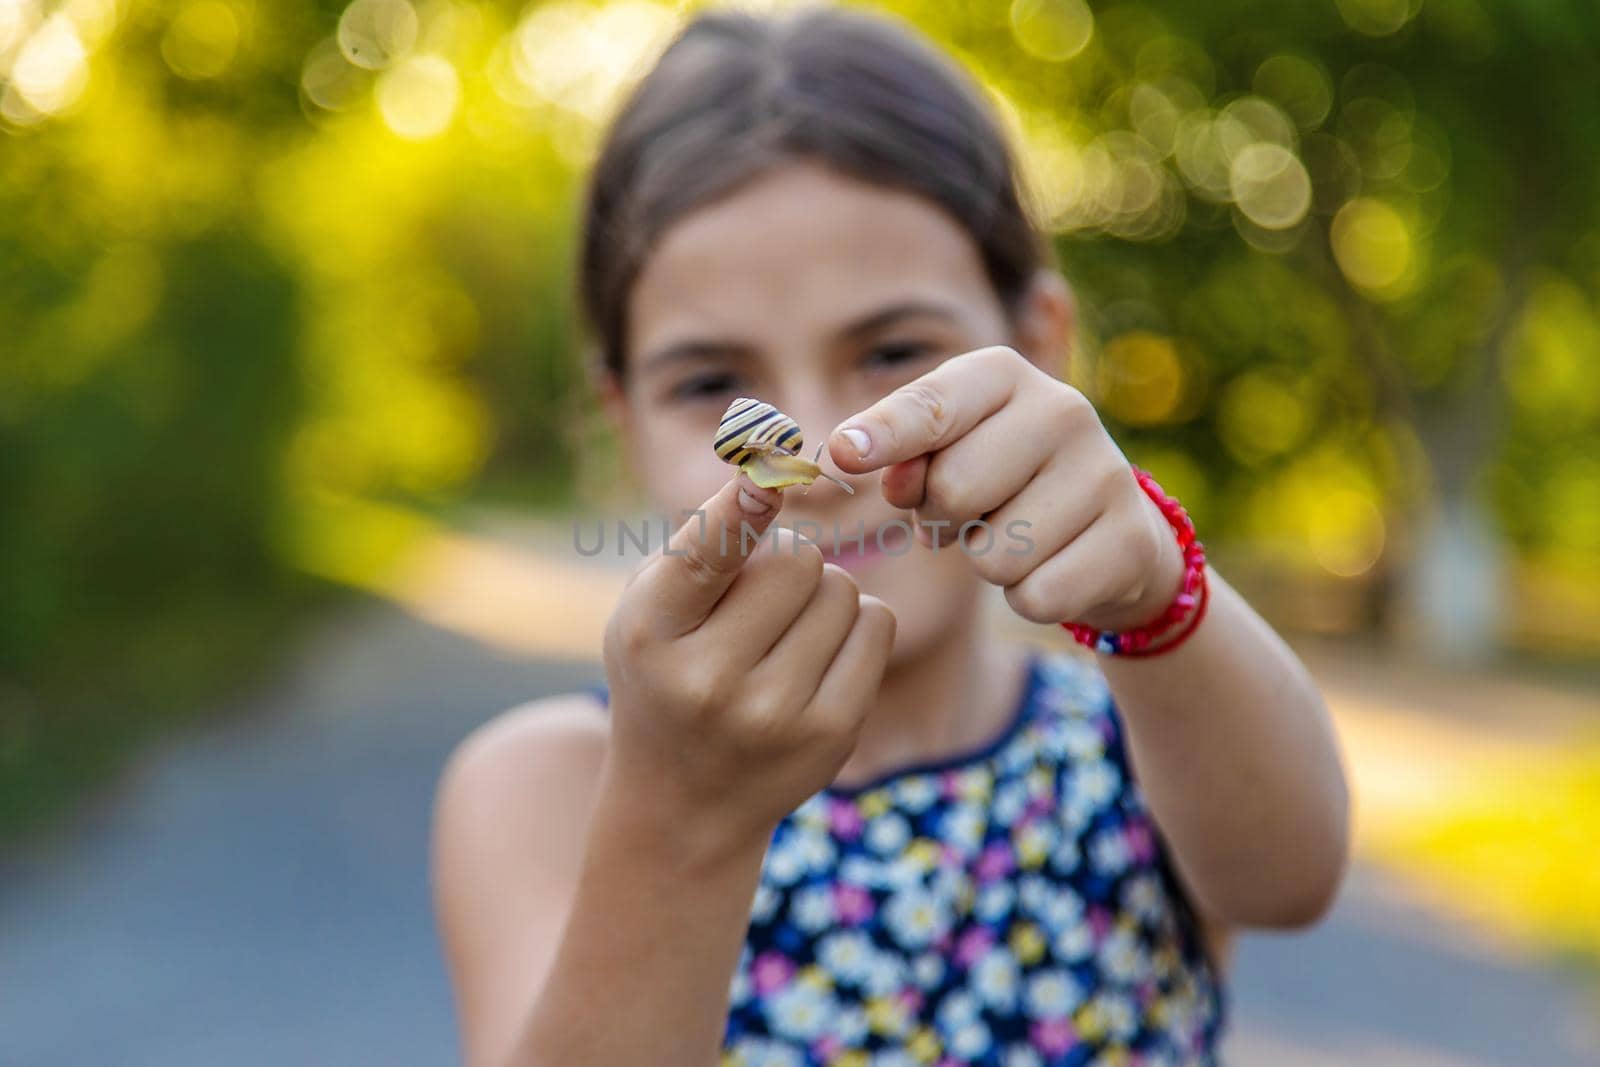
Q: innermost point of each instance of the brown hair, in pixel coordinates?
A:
(736, 94)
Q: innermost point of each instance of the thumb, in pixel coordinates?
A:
(702, 558)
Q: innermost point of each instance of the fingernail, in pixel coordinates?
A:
(750, 504)
(858, 440)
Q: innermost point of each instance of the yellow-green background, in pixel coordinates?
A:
(285, 285)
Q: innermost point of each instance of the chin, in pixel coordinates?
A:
(930, 598)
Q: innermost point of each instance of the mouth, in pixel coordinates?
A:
(862, 547)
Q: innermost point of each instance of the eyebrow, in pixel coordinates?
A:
(705, 348)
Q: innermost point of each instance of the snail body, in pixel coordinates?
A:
(765, 443)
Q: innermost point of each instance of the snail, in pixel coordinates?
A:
(765, 443)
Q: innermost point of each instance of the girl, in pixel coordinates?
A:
(820, 814)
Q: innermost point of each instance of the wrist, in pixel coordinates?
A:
(1162, 588)
(676, 834)
(1164, 603)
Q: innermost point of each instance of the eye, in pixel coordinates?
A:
(703, 386)
(897, 354)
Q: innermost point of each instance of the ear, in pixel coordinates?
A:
(608, 388)
(612, 393)
(1047, 317)
(608, 470)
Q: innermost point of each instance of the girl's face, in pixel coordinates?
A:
(818, 294)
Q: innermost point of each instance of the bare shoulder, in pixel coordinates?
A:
(561, 735)
(528, 774)
(511, 816)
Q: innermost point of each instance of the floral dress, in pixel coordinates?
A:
(1011, 906)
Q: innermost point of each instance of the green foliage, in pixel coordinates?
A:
(267, 270)
(1365, 232)
(143, 490)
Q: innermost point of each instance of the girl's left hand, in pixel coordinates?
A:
(989, 436)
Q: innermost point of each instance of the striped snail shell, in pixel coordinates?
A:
(765, 443)
(752, 426)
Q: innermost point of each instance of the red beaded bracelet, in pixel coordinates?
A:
(1191, 598)
(1189, 628)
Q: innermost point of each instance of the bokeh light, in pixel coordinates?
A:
(374, 33)
(1378, 18)
(578, 57)
(1346, 532)
(1154, 112)
(202, 40)
(1270, 185)
(1373, 246)
(418, 96)
(1262, 414)
(17, 17)
(1552, 353)
(1204, 146)
(1251, 120)
(1142, 380)
(1052, 29)
(49, 73)
(1300, 86)
(329, 79)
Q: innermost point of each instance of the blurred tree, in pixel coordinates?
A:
(1349, 225)
(268, 270)
(148, 386)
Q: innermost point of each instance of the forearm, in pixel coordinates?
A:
(1237, 757)
(651, 942)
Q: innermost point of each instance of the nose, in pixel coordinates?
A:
(817, 414)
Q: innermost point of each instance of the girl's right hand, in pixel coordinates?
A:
(738, 682)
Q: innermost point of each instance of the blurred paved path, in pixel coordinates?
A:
(255, 894)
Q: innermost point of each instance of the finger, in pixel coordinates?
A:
(904, 484)
(705, 554)
(1088, 573)
(801, 655)
(929, 413)
(1032, 526)
(983, 470)
(766, 597)
(850, 685)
